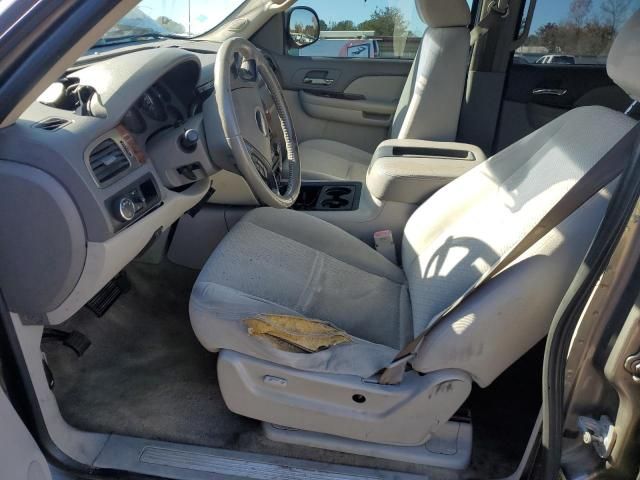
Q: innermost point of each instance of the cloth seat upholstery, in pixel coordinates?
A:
(430, 102)
(289, 262)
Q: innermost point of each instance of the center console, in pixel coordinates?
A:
(402, 174)
(409, 171)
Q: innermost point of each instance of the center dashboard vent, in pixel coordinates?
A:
(108, 162)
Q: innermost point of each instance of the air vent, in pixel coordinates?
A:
(52, 124)
(108, 162)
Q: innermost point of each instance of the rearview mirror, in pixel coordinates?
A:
(303, 27)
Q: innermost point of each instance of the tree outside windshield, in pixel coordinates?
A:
(188, 18)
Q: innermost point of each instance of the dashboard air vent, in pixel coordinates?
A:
(52, 124)
(107, 162)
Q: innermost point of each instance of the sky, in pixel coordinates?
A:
(358, 10)
(207, 13)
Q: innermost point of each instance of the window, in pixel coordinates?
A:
(169, 17)
(365, 29)
(574, 32)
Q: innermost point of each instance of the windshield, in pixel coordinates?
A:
(169, 18)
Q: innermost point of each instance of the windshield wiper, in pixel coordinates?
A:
(133, 38)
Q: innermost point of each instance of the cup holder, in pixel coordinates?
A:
(338, 191)
(335, 203)
(329, 196)
(337, 197)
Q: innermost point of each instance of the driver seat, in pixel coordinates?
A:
(288, 262)
(429, 106)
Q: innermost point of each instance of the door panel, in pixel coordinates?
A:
(536, 94)
(343, 71)
(348, 108)
(378, 87)
(349, 100)
(20, 457)
(307, 127)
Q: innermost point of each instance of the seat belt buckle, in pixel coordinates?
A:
(384, 244)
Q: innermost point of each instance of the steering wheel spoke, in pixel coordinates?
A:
(268, 171)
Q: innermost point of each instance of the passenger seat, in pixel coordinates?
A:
(429, 106)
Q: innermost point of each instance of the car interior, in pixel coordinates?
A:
(214, 248)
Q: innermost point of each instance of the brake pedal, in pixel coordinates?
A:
(106, 297)
(75, 340)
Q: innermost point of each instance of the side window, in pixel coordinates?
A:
(365, 29)
(574, 32)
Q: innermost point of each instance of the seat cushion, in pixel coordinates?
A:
(288, 262)
(329, 160)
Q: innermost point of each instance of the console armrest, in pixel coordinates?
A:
(409, 171)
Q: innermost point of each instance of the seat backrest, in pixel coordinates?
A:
(429, 106)
(465, 227)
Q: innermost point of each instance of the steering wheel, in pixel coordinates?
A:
(272, 172)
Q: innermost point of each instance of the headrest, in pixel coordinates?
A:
(623, 63)
(444, 13)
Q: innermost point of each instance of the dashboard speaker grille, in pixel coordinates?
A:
(108, 162)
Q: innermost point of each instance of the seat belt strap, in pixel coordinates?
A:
(495, 12)
(599, 176)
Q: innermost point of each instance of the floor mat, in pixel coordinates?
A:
(146, 375)
(504, 413)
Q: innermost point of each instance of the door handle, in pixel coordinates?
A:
(557, 92)
(325, 82)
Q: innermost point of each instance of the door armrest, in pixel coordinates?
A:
(348, 109)
(409, 171)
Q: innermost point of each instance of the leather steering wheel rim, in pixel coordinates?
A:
(247, 156)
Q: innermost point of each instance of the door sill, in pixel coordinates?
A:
(189, 462)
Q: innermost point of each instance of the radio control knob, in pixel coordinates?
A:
(126, 209)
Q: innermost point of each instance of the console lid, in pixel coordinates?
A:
(409, 171)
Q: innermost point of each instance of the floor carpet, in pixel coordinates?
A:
(146, 375)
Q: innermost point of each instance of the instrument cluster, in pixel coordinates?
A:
(155, 108)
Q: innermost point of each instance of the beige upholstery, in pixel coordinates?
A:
(288, 262)
(413, 177)
(626, 45)
(283, 261)
(329, 160)
(444, 13)
(429, 106)
(467, 225)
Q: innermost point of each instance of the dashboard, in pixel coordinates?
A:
(105, 161)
